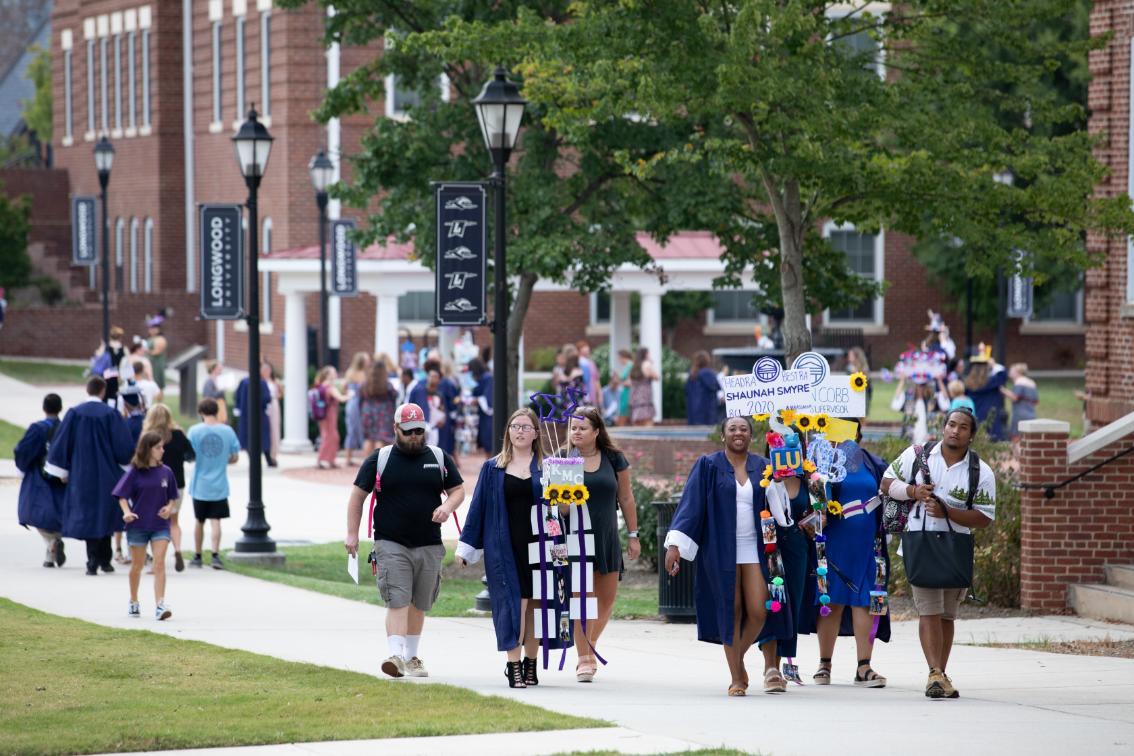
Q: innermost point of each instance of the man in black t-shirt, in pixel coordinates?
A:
(407, 531)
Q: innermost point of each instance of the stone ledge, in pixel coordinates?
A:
(1045, 426)
(1100, 439)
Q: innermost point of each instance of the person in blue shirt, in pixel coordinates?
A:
(216, 447)
(701, 391)
(41, 495)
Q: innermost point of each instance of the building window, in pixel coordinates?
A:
(145, 78)
(216, 72)
(119, 243)
(117, 82)
(68, 124)
(416, 306)
(265, 58)
(861, 45)
(1061, 307)
(104, 86)
(119, 264)
(400, 100)
(148, 257)
(131, 84)
(734, 307)
(239, 66)
(134, 256)
(600, 308)
(266, 287)
(865, 258)
(90, 87)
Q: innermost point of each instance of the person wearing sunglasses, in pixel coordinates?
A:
(410, 479)
(499, 529)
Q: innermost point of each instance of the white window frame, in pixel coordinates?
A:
(89, 36)
(104, 84)
(427, 323)
(116, 31)
(841, 10)
(1128, 309)
(217, 124)
(119, 239)
(265, 60)
(391, 87)
(147, 122)
(878, 324)
(266, 284)
(1072, 326)
(593, 317)
(132, 276)
(68, 90)
(131, 25)
(239, 28)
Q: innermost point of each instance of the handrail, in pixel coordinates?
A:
(1049, 489)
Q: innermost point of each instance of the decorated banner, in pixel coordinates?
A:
(84, 240)
(808, 387)
(461, 253)
(344, 259)
(222, 262)
(921, 366)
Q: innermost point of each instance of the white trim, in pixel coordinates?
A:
(116, 133)
(103, 84)
(597, 329)
(66, 39)
(131, 83)
(1040, 425)
(468, 553)
(147, 116)
(239, 8)
(1093, 442)
(102, 25)
(148, 256)
(239, 30)
(88, 28)
(592, 306)
(730, 327)
(686, 546)
(145, 20)
(215, 33)
(132, 274)
(68, 92)
(119, 238)
(443, 84)
(841, 10)
(88, 136)
(68, 141)
(265, 65)
(216, 127)
(263, 5)
(187, 137)
(216, 10)
(879, 321)
(266, 329)
(130, 132)
(1052, 328)
(144, 131)
(117, 85)
(116, 22)
(711, 315)
(130, 20)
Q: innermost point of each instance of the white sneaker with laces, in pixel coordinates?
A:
(162, 612)
(135, 609)
(416, 668)
(395, 666)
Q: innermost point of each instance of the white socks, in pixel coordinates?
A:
(397, 645)
(412, 642)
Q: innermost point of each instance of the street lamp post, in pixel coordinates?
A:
(499, 109)
(104, 160)
(322, 174)
(253, 145)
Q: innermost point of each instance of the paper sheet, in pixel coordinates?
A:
(352, 566)
(573, 544)
(592, 608)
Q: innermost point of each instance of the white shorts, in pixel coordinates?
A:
(747, 550)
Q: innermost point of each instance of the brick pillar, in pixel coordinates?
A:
(1044, 523)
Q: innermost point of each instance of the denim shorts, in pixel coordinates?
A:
(143, 537)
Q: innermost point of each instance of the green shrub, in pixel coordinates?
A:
(540, 360)
(644, 498)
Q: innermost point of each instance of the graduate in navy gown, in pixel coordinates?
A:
(482, 392)
(716, 525)
(242, 409)
(701, 392)
(89, 451)
(447, 433)
(41, 495)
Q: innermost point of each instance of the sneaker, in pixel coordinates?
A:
(92, 570)
(947, 685)
(178, 561)
(108, 567)
(57, 550)
(162, 612)
(935, 685)
(49, 563)
(196, 562)
(395, 666)
(415, 668)
(217, 564)
(135, 609)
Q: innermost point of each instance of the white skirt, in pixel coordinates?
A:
(747, 550)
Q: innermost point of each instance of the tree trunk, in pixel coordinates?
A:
(789, 222)
(515, 331)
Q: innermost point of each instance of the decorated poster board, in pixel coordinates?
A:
(921, 366)
(808, 387)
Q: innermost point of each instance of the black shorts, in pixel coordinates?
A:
(210, 510)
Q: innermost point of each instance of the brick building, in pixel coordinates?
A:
(169, 82)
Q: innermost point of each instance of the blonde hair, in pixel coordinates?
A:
(322, 374)
(359, 363)
(504, 458)
(159, 419)
(955, 388)
(1020, 367)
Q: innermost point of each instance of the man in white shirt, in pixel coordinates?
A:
(949, 471)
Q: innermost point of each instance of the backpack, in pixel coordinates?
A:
(895, 514)
(317, 403)
(383, 460)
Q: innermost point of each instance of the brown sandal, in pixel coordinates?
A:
(774, 682)
(737, 689)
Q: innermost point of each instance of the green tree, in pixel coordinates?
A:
(38, 110)
(15, 266)
(786, 98)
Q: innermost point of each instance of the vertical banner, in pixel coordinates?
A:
(344, 259)
(1020, 294)
(84, 237)
(461, 253)
(222, 262)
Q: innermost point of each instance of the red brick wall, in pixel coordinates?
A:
(1071, 537)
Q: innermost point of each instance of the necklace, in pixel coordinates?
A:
(595, 453)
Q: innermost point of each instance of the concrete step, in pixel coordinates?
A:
(1120, 575)
(1105, 602)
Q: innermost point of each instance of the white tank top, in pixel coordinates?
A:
(745, 516)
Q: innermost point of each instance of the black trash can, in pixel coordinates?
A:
(675, 594)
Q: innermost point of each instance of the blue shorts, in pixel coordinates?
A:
(143, 537)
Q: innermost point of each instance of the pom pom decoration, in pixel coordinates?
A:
(776, 606)
(775, 440)
(777, 581)
(824, 599)
(824, 611)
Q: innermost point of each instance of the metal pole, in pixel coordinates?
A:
(500, 410)
(103, 180)
(256, 527)
(1001, 317)
(325, 354)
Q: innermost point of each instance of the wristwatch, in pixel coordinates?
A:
(632, 534)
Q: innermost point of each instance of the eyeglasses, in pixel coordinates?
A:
(522, 428)
(413, 432)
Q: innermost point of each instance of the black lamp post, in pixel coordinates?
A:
(253, 145)
(104, 160)
(500, 108)
(322, 174)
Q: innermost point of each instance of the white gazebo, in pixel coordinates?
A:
(690, 261)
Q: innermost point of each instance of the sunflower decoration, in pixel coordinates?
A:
(552, 493)
(834, 508)
(767, 480)
(858, 381)
(805, 423)
(580, 494)
(760, 418)
(788, 416)
(808, 466)
(822, 421)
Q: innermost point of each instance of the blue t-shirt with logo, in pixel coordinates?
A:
(213, 445)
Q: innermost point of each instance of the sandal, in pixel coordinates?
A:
(774, 682)
(869, 678)
(737, 689)
(585, 669)
(823, 676)
(119, 559)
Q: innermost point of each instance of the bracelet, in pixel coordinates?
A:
(632, 534)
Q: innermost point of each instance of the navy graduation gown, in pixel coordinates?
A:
(242, 409)
(989, 402)
(91, 448)
(701, 397)
(707, 515)
(447, 433)
(419, 395)
(484, 420)
(41, 500)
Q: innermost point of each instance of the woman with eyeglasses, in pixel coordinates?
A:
(499, 528)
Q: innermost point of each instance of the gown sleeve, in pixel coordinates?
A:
(62, 446)
(687, 529)
(30, 448)
(122, 442)
(471, 545)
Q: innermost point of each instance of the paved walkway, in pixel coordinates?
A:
(663, 689)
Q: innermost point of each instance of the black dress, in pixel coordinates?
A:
(177, 452)
(602, 485)
(519, 500)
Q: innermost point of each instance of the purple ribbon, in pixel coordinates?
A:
(583, 584)
(542, 582)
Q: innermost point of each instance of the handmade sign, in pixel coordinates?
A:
(920, 366)
(767, 389)
(832, 395)
(879, 598)
(548, 559)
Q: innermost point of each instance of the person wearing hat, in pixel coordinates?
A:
(920, 405)
(410, 479)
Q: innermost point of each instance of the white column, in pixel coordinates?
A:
(335, 324)
(651, 339)
(446, 338)
(386, 325)
(334, 207)
(620, 326)
(295, 375)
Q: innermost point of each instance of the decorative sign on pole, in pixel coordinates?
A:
(222, 262)
(1020, 297)
(344, 259)
(461, 253)
(807, 386)
(84, 239)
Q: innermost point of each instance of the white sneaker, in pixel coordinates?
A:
(395, 666)
(162, 612)
(415, 668)
(135, 609)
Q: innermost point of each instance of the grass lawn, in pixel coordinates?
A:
(10, 435)
(41, 373)
(1057, 402)
(322, 568)
(73, 687)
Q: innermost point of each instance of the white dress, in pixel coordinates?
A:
(747, 547)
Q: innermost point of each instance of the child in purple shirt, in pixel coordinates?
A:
(147, 494)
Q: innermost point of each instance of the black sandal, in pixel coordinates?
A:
(515, 673)
(823, 676)
(869, 678)
(530, 677)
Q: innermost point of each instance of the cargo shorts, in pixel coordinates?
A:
(408, 575)
(931, 602)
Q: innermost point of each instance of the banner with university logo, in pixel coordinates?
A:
(344, 259)
(1020, 294)
(222, 262)
(84, 238)
(461, 253)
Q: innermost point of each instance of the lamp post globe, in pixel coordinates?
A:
(104, 161)
(253, 147)
(499, 110)
(322, 172)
